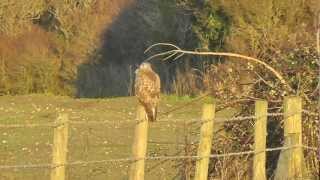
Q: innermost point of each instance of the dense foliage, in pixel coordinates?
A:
(280, 33)
(43, 42)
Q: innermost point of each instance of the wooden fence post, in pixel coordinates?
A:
(60, 147)
(206, 135)
(260, 133)
(139, 147)
(291, 161)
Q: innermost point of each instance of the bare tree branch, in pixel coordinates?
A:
(181, 52)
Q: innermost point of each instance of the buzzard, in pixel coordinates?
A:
(147, 89)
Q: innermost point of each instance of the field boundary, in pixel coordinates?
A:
(288, 167)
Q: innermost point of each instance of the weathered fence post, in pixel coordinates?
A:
(206, 135)
(291, 161)
(139, 147)
(260, 133)
(60, 148)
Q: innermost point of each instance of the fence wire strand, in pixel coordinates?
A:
(33, 125)
(310, 113)
(112, 122)
(86, 163)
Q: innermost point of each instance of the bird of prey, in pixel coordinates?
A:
(147, 89)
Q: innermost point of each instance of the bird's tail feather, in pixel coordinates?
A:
(154, 113)
(151, 114)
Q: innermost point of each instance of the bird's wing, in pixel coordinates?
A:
(147, 85)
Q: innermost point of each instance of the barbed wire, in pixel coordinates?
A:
(161, 115)
(104, 122)
(240, 118)
(183, 106)
(33, 125)
(50, 166)
(310, 113)
(279, 114)
(72, 122)
(112, 122)
(219, 120)
(27, 166)
(310, 148)
(86, 163)
(232, 119)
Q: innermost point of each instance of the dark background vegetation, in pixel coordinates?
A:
(91, 48)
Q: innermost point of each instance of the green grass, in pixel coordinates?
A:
(89, 142)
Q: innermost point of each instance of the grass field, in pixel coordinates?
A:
(89, 142)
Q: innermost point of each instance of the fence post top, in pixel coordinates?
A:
(62, 119)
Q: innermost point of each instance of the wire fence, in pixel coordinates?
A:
(111, 122)
(86, 163)
(176, 157)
